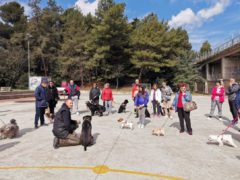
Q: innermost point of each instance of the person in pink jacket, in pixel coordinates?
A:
(217, 99)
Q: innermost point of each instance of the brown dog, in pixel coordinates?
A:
(158, 132)
(9, 130)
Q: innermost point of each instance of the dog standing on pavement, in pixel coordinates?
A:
(222, 139)
(158, 132)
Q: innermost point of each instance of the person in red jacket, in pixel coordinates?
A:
(135, 88)
(217, 99)
(107, 98)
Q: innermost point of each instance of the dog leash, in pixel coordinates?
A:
(3, 122)
(229, 126)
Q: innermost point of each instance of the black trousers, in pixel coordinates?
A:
(183, 115)
(156, 107)
(233, 109)
(52, 105)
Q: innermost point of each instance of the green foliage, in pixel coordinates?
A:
(65, 44)
(206, 47)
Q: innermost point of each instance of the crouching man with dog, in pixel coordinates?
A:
(64, 127)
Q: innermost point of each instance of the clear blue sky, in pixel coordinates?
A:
(212, 20)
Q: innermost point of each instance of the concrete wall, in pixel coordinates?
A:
(231, 68)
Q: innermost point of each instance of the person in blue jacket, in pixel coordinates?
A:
(180, 99)
(41, 102)
(140, 102)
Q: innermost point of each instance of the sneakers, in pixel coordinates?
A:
(209, 118)
(55, 143)
(171, 117)
(220, 119)
(142, 126)
(139, 126)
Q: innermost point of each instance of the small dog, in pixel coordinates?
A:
(9, 130)
(222, 139)
(120, 120)
(126, 124)
(158, 132)
(123, 106)
(86, 137)
(95, 108)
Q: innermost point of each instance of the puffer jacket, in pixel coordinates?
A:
(231, 92)
(94, 93)
(63, 125)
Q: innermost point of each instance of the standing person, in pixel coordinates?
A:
(217, 99)
(180, 99)
(52, 98)
(73, 93)
(166, 99)
(94, 94)
(134, 97)
(156, 99)
(64, 127)
(135, 87)
(140, 103)
(41, 102)
(231, 92)
(107, 98)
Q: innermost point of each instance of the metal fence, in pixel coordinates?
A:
(219, 49)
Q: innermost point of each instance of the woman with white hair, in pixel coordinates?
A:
(107, 98)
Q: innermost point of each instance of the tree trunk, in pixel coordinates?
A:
(117, 82)
(140, 74)
(81, 76)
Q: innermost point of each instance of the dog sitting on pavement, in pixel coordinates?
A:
(9, 130)
(123, 106)
(222, 139)
(86, 137)
(158, 132)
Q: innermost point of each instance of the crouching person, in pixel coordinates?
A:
(64, 127)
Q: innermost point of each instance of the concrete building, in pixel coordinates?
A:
(221, 63)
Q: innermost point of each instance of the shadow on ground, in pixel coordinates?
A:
(8, 145)
(175, 125)
(22, 132)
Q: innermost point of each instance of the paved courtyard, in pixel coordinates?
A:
(120, 154)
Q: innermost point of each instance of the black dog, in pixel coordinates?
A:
(96, 108)
(122, 107)
(86, 137)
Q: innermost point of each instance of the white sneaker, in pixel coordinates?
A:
(171, 117)
(209, 118)
(139, 126)
(142, 126)
(220, 119)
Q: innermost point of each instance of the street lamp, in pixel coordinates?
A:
(28, 36)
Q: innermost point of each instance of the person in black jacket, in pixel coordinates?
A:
(52, 97)
(94, 94)
(64, 127)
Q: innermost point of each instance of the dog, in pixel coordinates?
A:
(95, 108)
(126, 124)
(120, 120)
(123, 106)
(86, 137)
(158, 132)
(9, 130)
(222, 139)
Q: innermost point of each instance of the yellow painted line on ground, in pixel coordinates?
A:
(97, 170)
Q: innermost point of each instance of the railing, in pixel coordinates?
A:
(219, 49)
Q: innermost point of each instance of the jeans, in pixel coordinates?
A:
(213, 107)
(142, 115)
(108, 106)
(39, 114)
(156, 107)
(75, 104)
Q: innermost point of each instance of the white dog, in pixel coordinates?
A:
(126, 124)
(222, 139)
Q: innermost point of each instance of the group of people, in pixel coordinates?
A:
(217, 99)
(63, 129)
